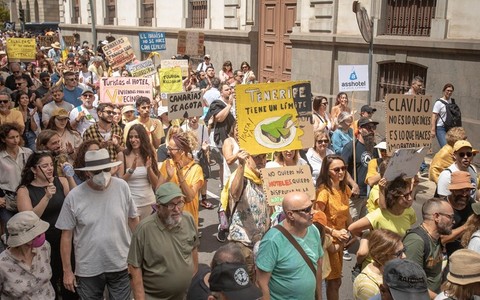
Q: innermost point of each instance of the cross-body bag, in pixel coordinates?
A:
(300, 250)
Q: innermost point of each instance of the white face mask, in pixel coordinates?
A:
(102, 179)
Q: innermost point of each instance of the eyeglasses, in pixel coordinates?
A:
(45, 79)
(338, 169)
(4, 101)
(306, 210)
(447, 215)
(463, 154)
(171, 206)
(400, 253)
(462, 191)
(325, 141)
(108, 112)
(100, 171)
(407, 195)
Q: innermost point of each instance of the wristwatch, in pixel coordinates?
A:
(130, 171)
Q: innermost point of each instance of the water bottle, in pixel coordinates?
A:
(68, 170)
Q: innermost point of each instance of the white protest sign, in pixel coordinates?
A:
(124, 90)
(170, 63)
(353, 78)
(184, 105)
(405, 161)
(141, 69)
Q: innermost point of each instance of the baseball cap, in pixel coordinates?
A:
(463, 143)
(206, 56)
(44, 75)
(60, 113)
(405, 280)
(87, 90)
(364, 121)
(168, 191)
(368, 109)
(128, 108)
(162, 110)
(232, 280)
(460, 180)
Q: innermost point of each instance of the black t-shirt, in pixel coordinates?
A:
(460, 217)
(198, 290)
(362, 158)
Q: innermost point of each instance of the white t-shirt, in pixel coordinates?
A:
(440, 109)
(445, 178)
(90, 118)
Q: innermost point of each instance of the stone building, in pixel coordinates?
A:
(36, 11)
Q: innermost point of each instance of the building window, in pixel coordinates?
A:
(147, 12)
(111, 11)
(198, 12)
(75, 11)
(396, 78)
(410, 17)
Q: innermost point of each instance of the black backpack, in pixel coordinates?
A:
(453, 117)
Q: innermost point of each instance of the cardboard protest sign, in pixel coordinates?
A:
(170, 81)
(119, 52)
(277, 182)
(141, 69)
(184, 105)
(353, 78)
(152, 41)
(124, 90)
(69, 40)
(190, 43)
(170, 63)
(47, 40)
(405, 161)
(274, 116)
(408, 121)
(21, 49)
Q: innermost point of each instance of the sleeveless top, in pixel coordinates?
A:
(140, 187)
(229, 169)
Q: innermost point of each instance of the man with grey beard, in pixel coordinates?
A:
(364, 152)
(163, 254)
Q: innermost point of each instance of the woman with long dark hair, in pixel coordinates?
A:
(139, 169)
(30, 118)
(341, 105)
(43, 193)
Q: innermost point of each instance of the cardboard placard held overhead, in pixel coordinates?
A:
(124, 90)
(152, 41)
(185, 105)
(170, 81)
(277, 182)
(143, 68)
(406, 161)
(170, 63)
(353, 78)
(119, 52)
(274, 116)
(69, 40)
(408, 122)
(47, 40)
(21, 49)
(190, 43)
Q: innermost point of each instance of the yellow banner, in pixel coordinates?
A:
(20, 49)
(170, 81)
(274, 116)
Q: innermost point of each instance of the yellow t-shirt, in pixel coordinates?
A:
(372, 202)
(14, 116)
(382, 218)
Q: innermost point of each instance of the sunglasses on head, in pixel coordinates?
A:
(463, 154)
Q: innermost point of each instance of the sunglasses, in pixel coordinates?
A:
(109, 112)
(463, 154)
(4, 101)
(338, 169)
(325, 141)
(100, 171)
(45, 79)
(306, 210)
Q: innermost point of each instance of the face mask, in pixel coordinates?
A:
(102, 179)
(38, 241)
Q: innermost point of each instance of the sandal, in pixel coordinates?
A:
(206, 204)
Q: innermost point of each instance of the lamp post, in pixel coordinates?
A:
(94, 30)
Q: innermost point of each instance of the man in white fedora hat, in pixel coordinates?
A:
(99, 215)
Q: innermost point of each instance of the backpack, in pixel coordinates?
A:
(426, 241)
(453, 115)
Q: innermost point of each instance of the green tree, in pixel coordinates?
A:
(4, 14)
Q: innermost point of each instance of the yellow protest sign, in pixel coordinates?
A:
(408, 121)
(274, 116)
(170, 81)
(124, 90)
(21, 49)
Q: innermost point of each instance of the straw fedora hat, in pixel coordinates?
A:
(56, 45)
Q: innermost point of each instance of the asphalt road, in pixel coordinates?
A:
(209, 222)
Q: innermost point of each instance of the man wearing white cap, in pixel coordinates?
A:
(85, 115)
(204, 64)
(98, 215)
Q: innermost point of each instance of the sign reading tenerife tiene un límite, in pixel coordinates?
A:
(274, 116)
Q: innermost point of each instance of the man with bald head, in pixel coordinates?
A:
(282, 272)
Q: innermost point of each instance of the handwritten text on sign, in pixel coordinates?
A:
(184, 105)
(119, 52)
(152, 41)
(141, 69)
(277, 182)
(19, 49)
(408, 121)
(124, 90)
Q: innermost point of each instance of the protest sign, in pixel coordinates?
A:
(408, 121)
(47, 40)
(274, 116)
(185, 105)
(353, 78)
(119, 52)
(170, 81)
(170, 63)
(152, 41)
(69, 40)
(124, 90)
(141, 69)
(190, 43)
(21, 49)
(406, 161)
(277, 182)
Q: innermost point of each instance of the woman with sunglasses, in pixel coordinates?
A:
(316, 154)
(384, 245)
(226, 73)
(43, 193)
(333, 196)
(140, 169)
(321, 118)
(341, 105)
(70, 139)
(248, 75)
(30, 117)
